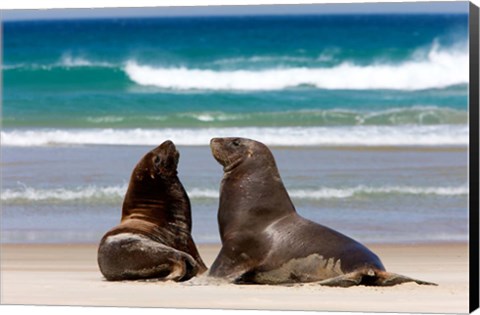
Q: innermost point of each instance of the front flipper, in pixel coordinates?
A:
(230, 266)
(370, 277)
(236, 258)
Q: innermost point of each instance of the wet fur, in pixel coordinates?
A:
(153, 239)
(265, 241)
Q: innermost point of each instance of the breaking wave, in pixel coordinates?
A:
(403, 135)
(438, 69)
(115, 194)
(434, 69)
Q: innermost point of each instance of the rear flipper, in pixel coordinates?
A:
(386, 279)
(370, 277)
(128, 256)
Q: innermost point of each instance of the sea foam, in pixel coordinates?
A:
(65, 61)
(403, 135)
(86, 193)
(115, 194)
(437, 69)
(69, 61)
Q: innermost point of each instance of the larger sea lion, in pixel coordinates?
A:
(153, 239)
(265, 241)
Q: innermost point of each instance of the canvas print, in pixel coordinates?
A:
(298, 157)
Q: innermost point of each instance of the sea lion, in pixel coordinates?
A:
(153, 239)
(265, 241)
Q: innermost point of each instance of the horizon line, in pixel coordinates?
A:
(424, 8)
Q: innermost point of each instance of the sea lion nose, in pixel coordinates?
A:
(215, 141)
(168, 143)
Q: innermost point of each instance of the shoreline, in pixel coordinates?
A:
(67, 274)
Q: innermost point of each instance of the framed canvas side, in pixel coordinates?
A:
(473, 184)
(474, 156)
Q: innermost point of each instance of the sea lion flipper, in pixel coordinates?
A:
(346, 280)
(143, 258)
(385, 278)
(237, 257)
(370, 277)
(190, 266)
(201, 267)
(228, 266)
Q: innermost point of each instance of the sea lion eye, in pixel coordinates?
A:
(157, 160)
(236, 142)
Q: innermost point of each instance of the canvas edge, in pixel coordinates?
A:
(474, 155)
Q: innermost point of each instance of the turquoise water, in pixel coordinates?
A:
(367, 116)
(190, 73)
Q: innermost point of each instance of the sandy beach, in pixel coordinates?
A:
(68, 275)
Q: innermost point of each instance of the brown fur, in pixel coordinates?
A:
(264, 240)
(153, 239)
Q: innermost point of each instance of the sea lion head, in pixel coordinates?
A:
(160, 162)
(155, 179)
(234, 152)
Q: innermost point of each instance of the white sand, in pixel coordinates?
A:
(68, 275)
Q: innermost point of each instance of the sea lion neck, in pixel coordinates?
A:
(252, 196)
(165, 201)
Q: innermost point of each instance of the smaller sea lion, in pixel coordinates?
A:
(153, 239)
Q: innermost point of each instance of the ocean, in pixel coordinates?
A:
(367, 116)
